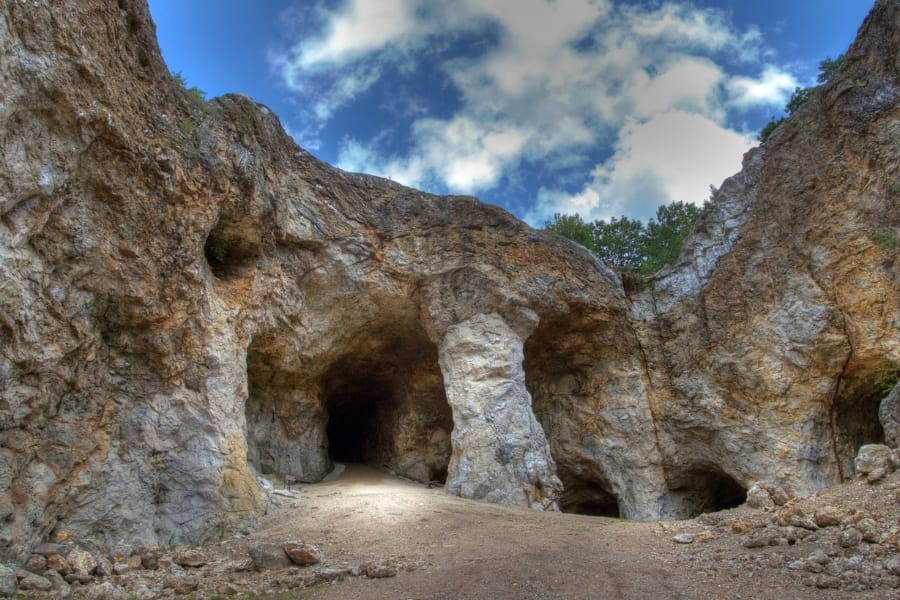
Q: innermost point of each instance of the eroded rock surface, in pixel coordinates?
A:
(190, 301)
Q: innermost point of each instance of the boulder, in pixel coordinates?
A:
(302, 553)
(872, 458)
(267, 556)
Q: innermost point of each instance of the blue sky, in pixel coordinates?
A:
(599, 107)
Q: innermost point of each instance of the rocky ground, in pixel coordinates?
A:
(364, 533)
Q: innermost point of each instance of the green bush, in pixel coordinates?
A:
(197, 95)
(887, 378)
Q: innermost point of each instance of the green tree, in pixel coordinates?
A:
(628, 243)
(572, 227)
(621, 242)
(664, 236)
(827, 67)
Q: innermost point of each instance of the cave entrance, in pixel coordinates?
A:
(855, 415)
(387, 408)
(704, 490)
(587, 498)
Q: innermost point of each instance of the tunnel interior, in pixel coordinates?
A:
(386, 406)
(703, 490)
(360, 418)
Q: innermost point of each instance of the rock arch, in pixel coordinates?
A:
(590, 396)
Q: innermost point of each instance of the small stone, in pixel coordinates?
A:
(80, 578)
(758, 497)
(757, 541)
(227, 589)
(150, 559)
(57, 563)
(850, 537)
(740, 527)
(380, 570)
(818, 557)
(684, 538)
(60, 586)
(893, 565)
(33, 582)
(869, 529)
(120, 568)
(302, 553)
(180, 585)
(705, 536)
(775, 560)
(268, 556)
(803, 522)
(189, 557)
(797, 565)
(104, 567)
(827, 582)
(36, 564)
(814, 567)
(876, 475)
(122, 552)
(106, 590)
(8, 581)
(785, 515)
(82, 561)
(827, 516)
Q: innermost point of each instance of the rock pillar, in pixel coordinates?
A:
(500, 452)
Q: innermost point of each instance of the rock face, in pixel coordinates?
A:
(189, 300)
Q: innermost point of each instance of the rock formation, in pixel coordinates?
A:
(189, 301)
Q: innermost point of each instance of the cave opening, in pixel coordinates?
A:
(704, 490)
(587, 498)
(386, 407)
(232, 247)
(855, 416)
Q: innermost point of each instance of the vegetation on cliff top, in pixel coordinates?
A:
(827, 67)
(628, 243)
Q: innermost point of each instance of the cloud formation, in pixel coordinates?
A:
(645, 94)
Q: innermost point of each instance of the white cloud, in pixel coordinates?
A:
(690, 84)
(672, 156)
(364, 26)
(459, 154)
(551, 82)
(773, 88)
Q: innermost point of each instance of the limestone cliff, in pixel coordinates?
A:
(188, 301)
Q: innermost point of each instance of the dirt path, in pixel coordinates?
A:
(444, 547)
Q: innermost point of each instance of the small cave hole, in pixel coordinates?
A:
(703, 491)
(591, 500)
(231, 249)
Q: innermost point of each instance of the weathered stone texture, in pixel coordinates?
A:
(188, 300)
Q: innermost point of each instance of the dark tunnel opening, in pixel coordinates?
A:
(359, 422)
(386, 407)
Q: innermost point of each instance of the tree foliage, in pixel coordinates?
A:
(628, 243)
(827, 67)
